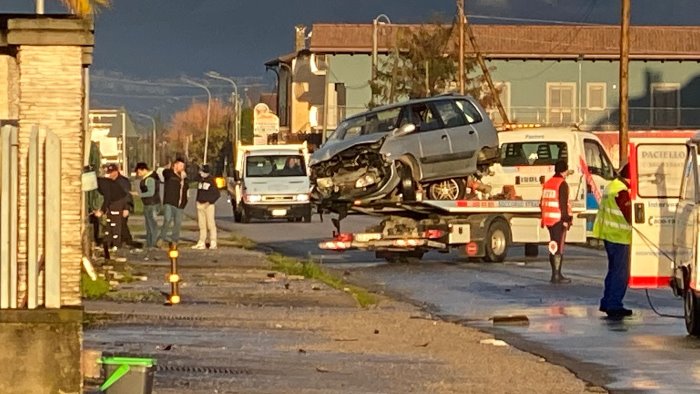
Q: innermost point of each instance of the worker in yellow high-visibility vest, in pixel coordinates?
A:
(613, 224)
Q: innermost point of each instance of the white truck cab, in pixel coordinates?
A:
(271, 182)
(527, 161)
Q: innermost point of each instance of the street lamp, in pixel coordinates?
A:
(235, 103)
(206, 134)
(153, 135)
(375, 27)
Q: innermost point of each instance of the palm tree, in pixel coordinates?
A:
(84, 7)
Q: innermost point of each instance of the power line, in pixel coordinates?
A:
(155, 97)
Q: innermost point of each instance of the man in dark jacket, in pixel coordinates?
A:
(207, 194)
(149, 191)
(115, 174)
(174, 201)
(114, 209)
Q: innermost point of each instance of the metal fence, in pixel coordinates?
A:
(42, 271)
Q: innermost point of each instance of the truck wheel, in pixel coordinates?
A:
(691, 311)
(448, 189)
(236, 213)
(245, 216)
(497, 242)
(532, 250)
(413, 257)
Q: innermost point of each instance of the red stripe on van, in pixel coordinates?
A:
(649, 282)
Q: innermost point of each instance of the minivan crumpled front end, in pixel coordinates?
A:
(358, 173)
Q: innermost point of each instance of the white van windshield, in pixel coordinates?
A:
(540, 153)
(275, 166)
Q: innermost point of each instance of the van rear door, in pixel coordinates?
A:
(656, 169)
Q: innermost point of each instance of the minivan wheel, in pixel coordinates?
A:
(448, 189)
(407, 185)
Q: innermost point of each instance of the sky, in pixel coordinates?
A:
(158, 40)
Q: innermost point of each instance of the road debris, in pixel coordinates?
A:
(494, 342)
(511, 320)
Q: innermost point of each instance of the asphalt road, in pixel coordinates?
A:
(643, 353)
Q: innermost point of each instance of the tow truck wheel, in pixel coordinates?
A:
(497, 242)
(448, 189)
(691, 309)
(401, 257)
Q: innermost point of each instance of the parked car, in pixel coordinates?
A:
(388, 152)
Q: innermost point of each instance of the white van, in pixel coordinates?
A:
(272, 182)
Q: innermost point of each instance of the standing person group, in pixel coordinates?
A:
(116, 202)
(613, 225)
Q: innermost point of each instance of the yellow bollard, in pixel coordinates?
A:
(173, 278)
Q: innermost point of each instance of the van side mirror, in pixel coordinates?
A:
(237, 175)
(408, 128)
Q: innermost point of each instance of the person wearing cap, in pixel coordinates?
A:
(556, 216)
(149, 191)
(127, 239)
(114, 208)
(174, 201)
(207, 194)
(613, 224)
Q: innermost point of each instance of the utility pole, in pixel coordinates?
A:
(461, 18)
(464, 25)
(624, 80)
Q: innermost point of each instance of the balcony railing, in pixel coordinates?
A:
(642, 118)
(604, 118)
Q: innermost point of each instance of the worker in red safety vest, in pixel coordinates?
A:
(556, 216)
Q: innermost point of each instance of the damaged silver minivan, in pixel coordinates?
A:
(433, 144)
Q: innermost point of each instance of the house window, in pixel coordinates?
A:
(596, 96)
(665, 104)
(560, 103)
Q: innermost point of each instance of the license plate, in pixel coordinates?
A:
(279, 212)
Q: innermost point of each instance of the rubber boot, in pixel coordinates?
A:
(555, 261)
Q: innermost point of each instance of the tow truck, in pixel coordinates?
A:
(485, 225)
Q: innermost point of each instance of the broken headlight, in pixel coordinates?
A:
(366, 180)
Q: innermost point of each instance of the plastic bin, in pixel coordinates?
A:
(128, 375)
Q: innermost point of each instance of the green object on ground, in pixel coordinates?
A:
(141, 366)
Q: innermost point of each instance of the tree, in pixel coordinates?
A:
(424, 63)
(85, 7)
(186, 131)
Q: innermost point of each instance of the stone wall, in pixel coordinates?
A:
(51, 96)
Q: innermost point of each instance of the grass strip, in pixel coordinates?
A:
(312, 270)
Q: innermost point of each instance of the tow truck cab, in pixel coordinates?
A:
(527, 161)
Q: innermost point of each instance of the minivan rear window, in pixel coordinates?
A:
(540, 153)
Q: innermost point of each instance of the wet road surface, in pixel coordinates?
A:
(644, 353)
